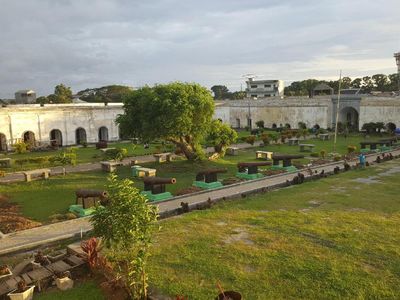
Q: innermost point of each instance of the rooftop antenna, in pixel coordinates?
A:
(337, 112)
(397, 57)
(250, 77)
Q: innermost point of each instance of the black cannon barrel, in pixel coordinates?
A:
(158, 180)
(211, 171)
(253, 164)
(82, 193)
(287, 156)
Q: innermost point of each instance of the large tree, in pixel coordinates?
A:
(220, 92)
(177, 112)
(63, 94)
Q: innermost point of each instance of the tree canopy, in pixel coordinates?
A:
(367, 84)
(221, 92)
(177, 112)
(62, 94)
(110, 93)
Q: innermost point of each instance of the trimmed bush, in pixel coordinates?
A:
(250, 139)
(351, 149)
(20, 147)
(314, 154)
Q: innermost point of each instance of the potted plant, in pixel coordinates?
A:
(40, 260)
(64, 281)
(5, 272)
(23, 292)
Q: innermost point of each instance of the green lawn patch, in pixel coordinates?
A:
(85, 291)
(328, 239)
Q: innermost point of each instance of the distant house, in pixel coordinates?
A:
(264, 88)
(25, 97)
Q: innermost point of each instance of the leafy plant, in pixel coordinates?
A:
(351, 149)
(251, 139)
(116, 154)
(322, 153)
(92, 248)
(265, 139)
(221, 136)
(21, 286)
(126, 225)
(20, 147)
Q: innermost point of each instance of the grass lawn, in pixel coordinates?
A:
(88, 290)
(43, 198)
(84, 155)
(336, 238)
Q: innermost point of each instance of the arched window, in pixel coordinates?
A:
(56, 138)
(80, 136)
(3, 142)
(29, 138)
(103, 134)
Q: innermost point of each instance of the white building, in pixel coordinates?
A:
(264, 88)
(25, 97)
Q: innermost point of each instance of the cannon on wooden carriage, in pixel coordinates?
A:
(154, 188)
(208, 179)
(249, 170)
(86, 200)
(286, 161)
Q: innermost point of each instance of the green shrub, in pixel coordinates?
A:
(250, 139)
(337, 158)
(116, 154)
(322, 153)
(265, 139)
(314, 154)
(351, 149)
(39, 159)
(20, 147)
(64, 158)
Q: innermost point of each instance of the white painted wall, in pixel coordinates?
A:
(17, 119)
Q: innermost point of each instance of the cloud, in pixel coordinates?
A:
(96, 42)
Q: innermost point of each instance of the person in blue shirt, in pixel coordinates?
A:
(362, 160)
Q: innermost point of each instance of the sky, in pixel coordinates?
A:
(92, 43)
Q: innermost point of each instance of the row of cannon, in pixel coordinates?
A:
(156, 185)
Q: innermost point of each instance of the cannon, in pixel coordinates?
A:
(249, 170)
(82, 206)
(208, 179)
(286, 161)
(154, 188)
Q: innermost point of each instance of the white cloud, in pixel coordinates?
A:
(95, 42)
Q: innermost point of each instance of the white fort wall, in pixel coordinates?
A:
(311, 112)
(380, 110)
(15, 120)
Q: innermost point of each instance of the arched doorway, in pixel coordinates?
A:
(3, 142)
(80, 136)
(56, 138)
(103, 134)
(349, 116)
(29, 138)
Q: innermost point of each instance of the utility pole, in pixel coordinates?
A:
(337, 112)
(397, 57)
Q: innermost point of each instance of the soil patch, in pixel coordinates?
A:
(11, 219)
(239, 235)
(369, 180)
(390, 172)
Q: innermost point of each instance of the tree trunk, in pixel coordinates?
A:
(186, 148)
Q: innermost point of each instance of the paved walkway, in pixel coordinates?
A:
(28, 239)
(18, 176)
